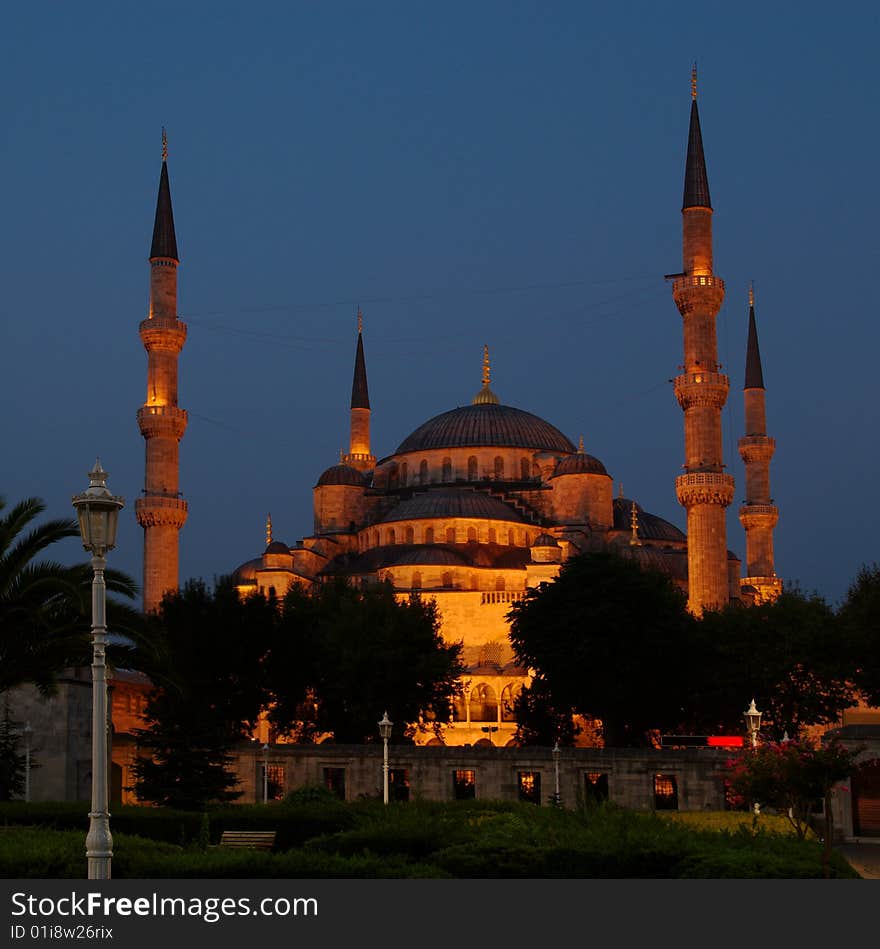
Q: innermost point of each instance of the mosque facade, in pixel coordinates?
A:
(485, 501)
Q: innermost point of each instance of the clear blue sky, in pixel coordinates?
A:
(482, 172)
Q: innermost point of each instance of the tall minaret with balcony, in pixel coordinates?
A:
(359, 455)
(758, 515)
(161, 511)
(704, 490)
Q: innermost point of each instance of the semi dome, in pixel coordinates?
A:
(545, 540)
(486, 425)
(580, 463)
(341, 474)
(452, 504)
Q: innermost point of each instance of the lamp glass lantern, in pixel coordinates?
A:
(385, 727)
(98, 513)
(753, 721)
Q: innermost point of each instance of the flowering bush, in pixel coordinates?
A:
(790, 776)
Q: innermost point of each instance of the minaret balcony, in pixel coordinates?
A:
(704, 487)
(759, 516)
(157, 421)
(158, 510)
(698, 293)
(756, 448)
(701, 388)
(163, 333)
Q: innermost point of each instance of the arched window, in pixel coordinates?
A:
(508, 700)
(390, 537)
(459, 708)
(499, 583)
(394, 478)
(376, 539)
(404, 474)
(447, 469)
(447, 580)
(511, 539)
(429, 535)
(423, 471)
(484, 704)
(472, 535)
(410, 535)
(499, 467)
(493, 536)
(472, 468)
(524, 469)
(450, 535)
(417, 580)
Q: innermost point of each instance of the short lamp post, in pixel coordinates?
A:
(753, 722)
(266, 773)
(98, 513)
(385, 733)
(27, 731)
(557, 799)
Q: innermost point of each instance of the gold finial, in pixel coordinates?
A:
(581, 445)
(360, 321)
(485, 396)
(268, 529)
(164, 145)
(694, 81)
(634, 524)
(341, 456)
(752, 293)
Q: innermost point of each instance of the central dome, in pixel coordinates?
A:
(485, 425)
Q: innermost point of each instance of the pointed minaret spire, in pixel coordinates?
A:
(696, 180)
(161, 511)
(359, 455)
(485, 396)
(581, 445)
(754, 378)
(268, 529)
(758, 515)
(164, 239)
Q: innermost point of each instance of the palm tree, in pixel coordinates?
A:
(45, 607)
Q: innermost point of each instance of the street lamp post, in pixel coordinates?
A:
(557, 799)
(27, 731)
(489, 729)
(266, 773)
(98, 513)
(385, 732)
(753, 722)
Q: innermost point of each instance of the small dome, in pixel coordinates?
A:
(651, 527)
(277, 547)
(580, 463)
(247, 572)
(452, 504)
(545, 540)
(341, 474)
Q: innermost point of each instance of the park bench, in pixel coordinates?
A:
(252, 839)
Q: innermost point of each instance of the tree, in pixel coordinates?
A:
(12, 761)
(786, 654)
(792, 777)
(45, 607)
(609, 639)
(860, 624)
(204, 654)
(345, 655)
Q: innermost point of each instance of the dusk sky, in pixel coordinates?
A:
(501, 173)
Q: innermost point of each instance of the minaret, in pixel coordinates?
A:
(161, 511)
(359, 455)
(705, 491)
(759, 514)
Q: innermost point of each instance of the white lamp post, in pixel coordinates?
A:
(98, 513)
(27, 731)
(385, 732)
(753, 722)
(557, 800)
